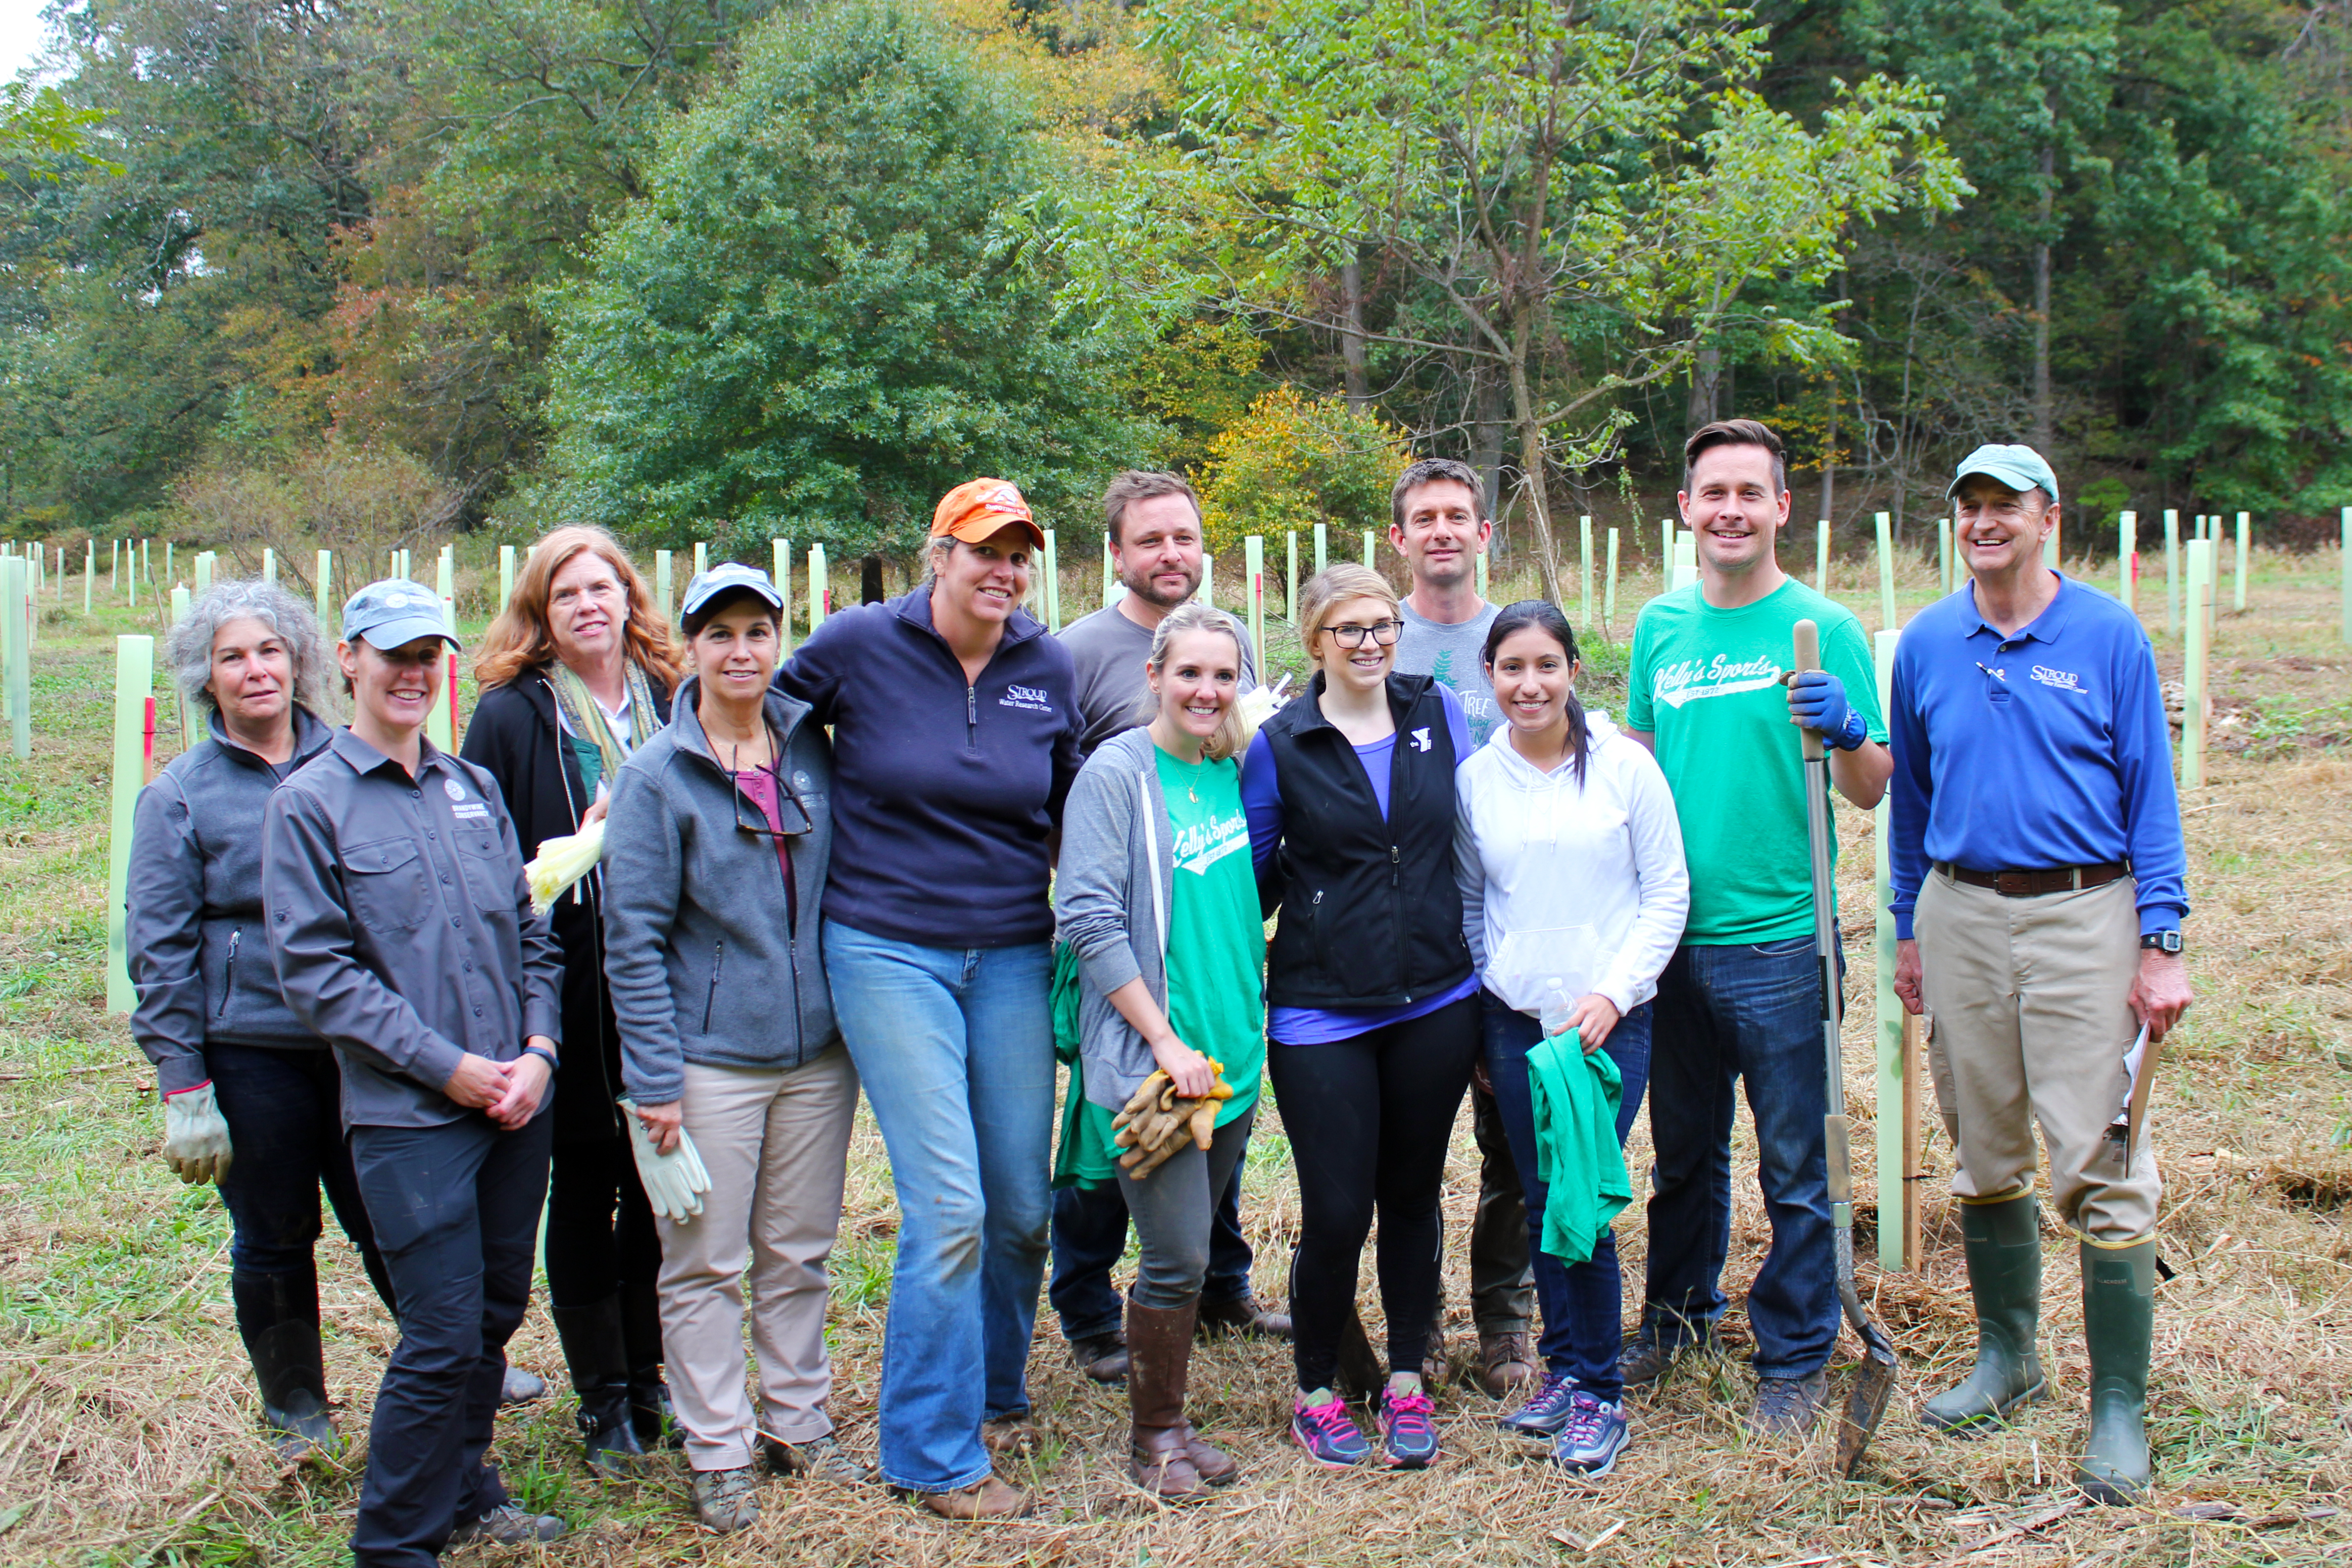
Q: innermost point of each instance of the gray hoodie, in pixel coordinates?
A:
(711, 957)
(1104, 908)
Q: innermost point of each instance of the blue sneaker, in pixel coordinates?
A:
(1545, 1411)
(1594, 1434)
(1408, 1429)
(1328, 1434)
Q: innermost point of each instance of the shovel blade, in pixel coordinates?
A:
(1873, 1384)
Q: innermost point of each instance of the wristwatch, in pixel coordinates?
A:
(2160, 941)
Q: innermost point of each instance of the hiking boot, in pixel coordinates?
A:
(1408, 1429)
(1788, 1407)
(2003, 1243)
(509, 1524)
(1102, 1357)
(990, 1498)
(818, 1459)
(1643, 1360)
(2118, 1321)
(1243, 1316)
(1593, 1435)
(1012, 1438)
(1545, 1411)
(1326, 1431)
(1436, 1366)
(1504, 1362)
(727, 1500)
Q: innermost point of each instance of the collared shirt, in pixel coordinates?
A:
(2045, 749)
(401, 922)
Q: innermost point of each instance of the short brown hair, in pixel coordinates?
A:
(1140, 484)
(1437, 471)
(1736, 433)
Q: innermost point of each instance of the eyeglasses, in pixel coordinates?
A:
(1381, 631)
(792, 815)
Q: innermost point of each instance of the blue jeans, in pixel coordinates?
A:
(955, 1046)
(1724, 1012)
(1090, 1238)
(1581, 1302)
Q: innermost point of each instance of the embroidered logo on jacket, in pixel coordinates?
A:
(1028, 699)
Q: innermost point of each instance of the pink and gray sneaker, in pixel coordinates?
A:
(1408, 1429)
(1328, 1434)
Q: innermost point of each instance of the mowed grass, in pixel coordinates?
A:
(127, 1415)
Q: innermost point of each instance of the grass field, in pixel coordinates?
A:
(127, 1414)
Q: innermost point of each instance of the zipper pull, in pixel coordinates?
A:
(234, 938)
(1396, 868)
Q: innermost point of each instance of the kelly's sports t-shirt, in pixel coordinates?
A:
(1217, 940)
(1706, 683)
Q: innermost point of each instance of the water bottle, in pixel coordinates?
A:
(1559, 1008)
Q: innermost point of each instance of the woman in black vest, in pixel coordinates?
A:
(575, 674)
(1373, 1004)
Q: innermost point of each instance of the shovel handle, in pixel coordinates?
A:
(1809, 657)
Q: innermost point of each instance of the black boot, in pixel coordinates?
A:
(278, 1315)
(641, 1334)
(592, 1349)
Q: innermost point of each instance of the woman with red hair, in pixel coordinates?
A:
(575, 673)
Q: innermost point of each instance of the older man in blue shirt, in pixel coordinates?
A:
(2039, 891)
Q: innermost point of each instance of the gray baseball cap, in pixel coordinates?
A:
(2021, 469)
(726, 578)
(396, 612)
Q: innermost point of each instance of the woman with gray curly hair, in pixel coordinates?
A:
(250, 1097)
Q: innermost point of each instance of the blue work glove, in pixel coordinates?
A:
(1817, 700)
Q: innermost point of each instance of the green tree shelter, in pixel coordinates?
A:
(1585, 190)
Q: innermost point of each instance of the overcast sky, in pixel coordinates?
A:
(20, 36)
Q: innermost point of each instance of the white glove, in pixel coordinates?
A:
(195, 1138)
(673, 1182)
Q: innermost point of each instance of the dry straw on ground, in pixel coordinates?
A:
(126, 1412)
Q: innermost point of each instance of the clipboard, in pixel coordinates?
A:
(2139, 1062)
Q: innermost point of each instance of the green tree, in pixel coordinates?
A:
(807, 320)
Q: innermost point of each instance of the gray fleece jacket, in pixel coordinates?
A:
(710, 956)
(1104, 907)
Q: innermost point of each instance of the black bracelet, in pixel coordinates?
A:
(543, 1054)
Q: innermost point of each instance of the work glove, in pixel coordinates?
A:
(1156, 1121)
(673, 1182)
(196, 1137)
(1817, 700)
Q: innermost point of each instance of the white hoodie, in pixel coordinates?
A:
(1581, 889)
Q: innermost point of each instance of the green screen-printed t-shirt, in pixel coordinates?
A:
(1706, 683)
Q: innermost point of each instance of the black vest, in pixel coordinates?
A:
(1370, 914)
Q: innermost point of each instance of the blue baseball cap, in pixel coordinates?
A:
(727, 577)
(396, 612)
(2021, 469)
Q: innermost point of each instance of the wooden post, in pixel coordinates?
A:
(1822, 557)
(1887, 618)
(1890, 1014)
(1253, 568)
(324, 589)
(134, 745)
(15, 650)
(2126, 548)
(2193, 714)
(820, 589)
(1320, 543)
(1944, 578)
(662, 595)
(2245, 535)
(1915, 1175)
(779, 553)
(1053, 584)
(1290, 585)
(506, 576)
(2173, 570)
(1609, 601)
(1584, 568)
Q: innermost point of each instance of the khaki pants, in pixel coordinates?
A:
(776, 1145)
(2031, 1025)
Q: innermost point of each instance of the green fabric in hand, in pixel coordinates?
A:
(1577, 1155)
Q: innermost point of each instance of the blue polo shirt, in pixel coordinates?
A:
(2046, 749)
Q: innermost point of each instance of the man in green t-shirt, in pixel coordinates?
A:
(1740, 999)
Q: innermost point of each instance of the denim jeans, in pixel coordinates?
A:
(1581, 1302)
(1090, 1238)
(955, 1046)
(1724, 1012)
(457, 1211)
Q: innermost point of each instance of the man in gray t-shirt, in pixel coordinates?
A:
(1108, 648)
(1454, 652)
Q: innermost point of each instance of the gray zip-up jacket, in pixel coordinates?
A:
(1115, 832)
(198, 948)
(711, 956)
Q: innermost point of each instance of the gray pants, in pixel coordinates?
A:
(1174, 1210)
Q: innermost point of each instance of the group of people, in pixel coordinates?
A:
(938, 854)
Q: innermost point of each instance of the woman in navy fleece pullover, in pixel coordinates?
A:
(955, 739)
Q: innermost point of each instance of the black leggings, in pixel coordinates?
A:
(1369, 1121)
(601, 1240)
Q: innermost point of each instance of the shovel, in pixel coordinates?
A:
(1874, 1383)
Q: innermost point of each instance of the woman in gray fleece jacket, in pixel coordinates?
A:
(1156, 897)
(716, 843)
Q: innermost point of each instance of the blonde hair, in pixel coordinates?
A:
(1193, 615)
(518, 639)
(1335, 586)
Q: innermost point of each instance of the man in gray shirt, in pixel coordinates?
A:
(400, 924)
(1438, 522)
(1153, 520)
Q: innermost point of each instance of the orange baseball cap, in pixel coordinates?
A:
(977, 509)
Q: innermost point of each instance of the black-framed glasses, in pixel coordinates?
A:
(1384, 633)
(790, 813)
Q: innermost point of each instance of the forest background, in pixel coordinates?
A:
(297, 272)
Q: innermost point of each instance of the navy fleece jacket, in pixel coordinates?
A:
(944, 794)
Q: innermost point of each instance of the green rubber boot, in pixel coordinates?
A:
(2118, 1321)
(2004, 1252)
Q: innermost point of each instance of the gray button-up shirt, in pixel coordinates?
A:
(401, 922)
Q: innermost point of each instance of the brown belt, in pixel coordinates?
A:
(2032, 884)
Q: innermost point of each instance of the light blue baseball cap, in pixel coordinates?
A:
(2021, 469)
(728, 577)
(396, 612)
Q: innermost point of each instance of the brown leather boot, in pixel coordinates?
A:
(1160, 1442)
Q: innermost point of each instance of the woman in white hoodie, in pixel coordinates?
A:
(1573, 895)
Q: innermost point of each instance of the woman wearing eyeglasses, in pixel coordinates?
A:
(1374, 1011)
(718, 837)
